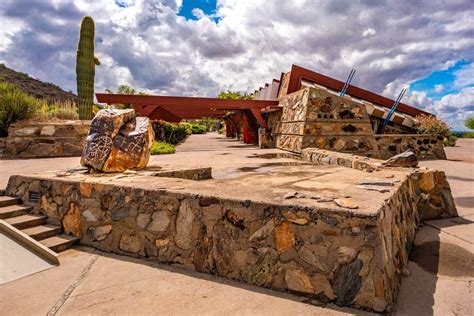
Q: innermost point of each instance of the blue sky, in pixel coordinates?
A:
(442, 82)
(207, 6)
(198, 48)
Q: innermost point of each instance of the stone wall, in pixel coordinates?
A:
(429, 188)
(319, 118)
(424, 146)
(46, 139)
(351, 259)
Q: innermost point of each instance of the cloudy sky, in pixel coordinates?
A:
(197, 48)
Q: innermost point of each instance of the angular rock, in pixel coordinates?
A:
(298, 281)
(143, 220)
(284, 237)
(184, 226)
(347, 203)
(130, 244)
(72, 221)
(379, 182)
(291, 217)
(427, 181)
(99, 233)
(347, 282)
(160, 222)
(373, 188)
(118, 141)
(263, 232)
(405, 159)
(322, 285)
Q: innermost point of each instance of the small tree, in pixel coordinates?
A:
(469, 122)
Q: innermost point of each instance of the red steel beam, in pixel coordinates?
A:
(299, 73)
(183, 101)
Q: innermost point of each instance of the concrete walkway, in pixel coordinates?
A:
(93, 282)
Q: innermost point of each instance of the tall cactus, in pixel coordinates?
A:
(85, 68)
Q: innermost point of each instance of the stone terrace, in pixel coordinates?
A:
(280, 223)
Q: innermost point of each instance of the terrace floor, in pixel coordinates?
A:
(93, 282)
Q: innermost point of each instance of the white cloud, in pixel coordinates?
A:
(148, 46)
(464, 76)
(438, 88)
(368, 32)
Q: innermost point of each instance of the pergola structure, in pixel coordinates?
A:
(175, 109)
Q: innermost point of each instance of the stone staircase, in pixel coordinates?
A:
(33, 225)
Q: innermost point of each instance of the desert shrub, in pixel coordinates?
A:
(15, 105)
(468, 135)
(170, 133)
(188, 127)
(431, 125)
(162, 148)
(469, 122)
(64, 110)
(198, 128)
(221, 131)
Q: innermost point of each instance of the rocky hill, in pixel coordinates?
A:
(34, 87)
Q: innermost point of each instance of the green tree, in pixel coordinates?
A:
(469, 122)
(234, 95)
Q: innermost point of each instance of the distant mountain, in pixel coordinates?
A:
(34, 87)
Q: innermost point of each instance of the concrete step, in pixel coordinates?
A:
(13, 210)
(26, 221)
(8, 200)
(42, 231)
(59, 243)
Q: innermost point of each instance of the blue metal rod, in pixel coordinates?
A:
(346, 84)
(394, 107)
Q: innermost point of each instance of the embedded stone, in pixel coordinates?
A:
(99, 233)
(264, 231)
(322, 285)
(346, 255)
(184, 226)
(427, 181)
(347, 282)
(89, 216)
(346, 203)
(143, 220)
(284, 237)
(295, 219)
(130, 244)
(159, 222)
(48, 130)
(72, 221)
(159, 243)
(85, 189)
(298, 281)
(405, 159)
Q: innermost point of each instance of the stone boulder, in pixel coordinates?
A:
(118, 141)
(405, 159)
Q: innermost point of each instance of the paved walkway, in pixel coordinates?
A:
(93, 282)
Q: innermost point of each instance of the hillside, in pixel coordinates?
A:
(34, 87)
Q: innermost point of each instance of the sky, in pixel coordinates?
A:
(201, 47)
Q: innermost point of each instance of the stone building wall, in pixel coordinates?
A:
(319, 118)
(46, 139)
(424, 146)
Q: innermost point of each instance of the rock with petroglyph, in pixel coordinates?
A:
(118, 141)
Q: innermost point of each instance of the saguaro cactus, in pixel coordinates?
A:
(85, 68)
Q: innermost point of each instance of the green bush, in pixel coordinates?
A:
(188, 126)
(15, 105)
(162, 148)
(221, 131)
(198, 128)
(468, 135)
(170, 133)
